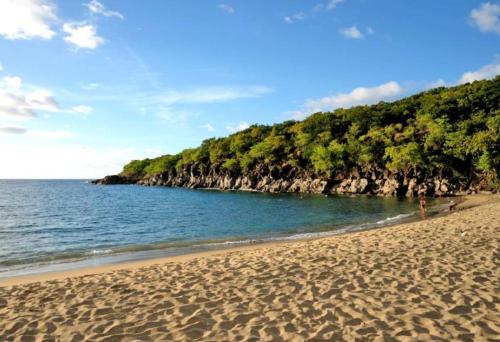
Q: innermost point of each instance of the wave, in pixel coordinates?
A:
(399, 217)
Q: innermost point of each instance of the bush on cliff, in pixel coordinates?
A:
(453, 131)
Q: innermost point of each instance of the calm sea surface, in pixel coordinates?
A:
(55, 222)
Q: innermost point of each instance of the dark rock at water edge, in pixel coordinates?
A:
(114, 179)
(288, 179)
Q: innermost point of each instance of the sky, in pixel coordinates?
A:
(86, 86)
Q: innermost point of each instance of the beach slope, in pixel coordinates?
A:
(437, 279)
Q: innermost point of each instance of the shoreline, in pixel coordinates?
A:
(91, 266)
(434, 279)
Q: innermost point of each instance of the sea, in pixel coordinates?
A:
(55, 225)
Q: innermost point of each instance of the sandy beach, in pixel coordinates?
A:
(436, 279)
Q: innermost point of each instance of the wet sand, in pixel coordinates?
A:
(437, 279)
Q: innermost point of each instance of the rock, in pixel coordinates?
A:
(111, 180)
(363, 186)
(390, 187)
(412, 188)
(286, 178)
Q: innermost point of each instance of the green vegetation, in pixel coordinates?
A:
(445, 131)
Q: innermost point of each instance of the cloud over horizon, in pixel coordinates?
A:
(358, 96)
(18, 102)
(12, 130)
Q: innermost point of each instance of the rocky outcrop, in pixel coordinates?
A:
(115, 179)
(288, 179)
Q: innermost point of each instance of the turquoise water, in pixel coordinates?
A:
(59, 221)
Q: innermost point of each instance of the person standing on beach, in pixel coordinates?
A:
(423, 204)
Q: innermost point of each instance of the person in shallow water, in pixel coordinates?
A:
(423, 204)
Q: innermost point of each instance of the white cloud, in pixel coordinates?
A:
(294, 18)
(211, 94)
(358, 96)
(27, 19)
(14, 106)
(97, 8)
(227, 8)
(1, 66)
(83, 36)
(12, 82)
(12, 130)
(486, 72)
(82, 109)
(239, 127)
(208, 127)
(332, 4)
(59, 160)
(352, 32)
(487, 17)
(18, 103)
(42, 99)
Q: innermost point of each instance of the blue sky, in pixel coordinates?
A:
(87, 85)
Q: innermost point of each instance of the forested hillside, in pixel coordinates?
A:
(442, 141)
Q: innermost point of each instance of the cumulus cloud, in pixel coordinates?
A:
(82, 35)
(12, 130)
(290, 19)
(226, 8)
(27, 19)
(486, 72)
(352, 33)
(82, 109)
(98, 8)
(239, 127)
(16, 102)
(42, 99)
(358, 96)
(211, 94)
(12, 82)
(486, 17)
(15, 106)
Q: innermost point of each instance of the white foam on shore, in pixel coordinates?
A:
(394, 218)
(100, 251)
(311, 235)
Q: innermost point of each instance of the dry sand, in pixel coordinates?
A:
(437, 279)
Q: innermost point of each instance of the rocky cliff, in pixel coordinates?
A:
(288, 179)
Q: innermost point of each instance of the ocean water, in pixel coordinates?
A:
(46, 224)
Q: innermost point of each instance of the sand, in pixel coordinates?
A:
(437, 279)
